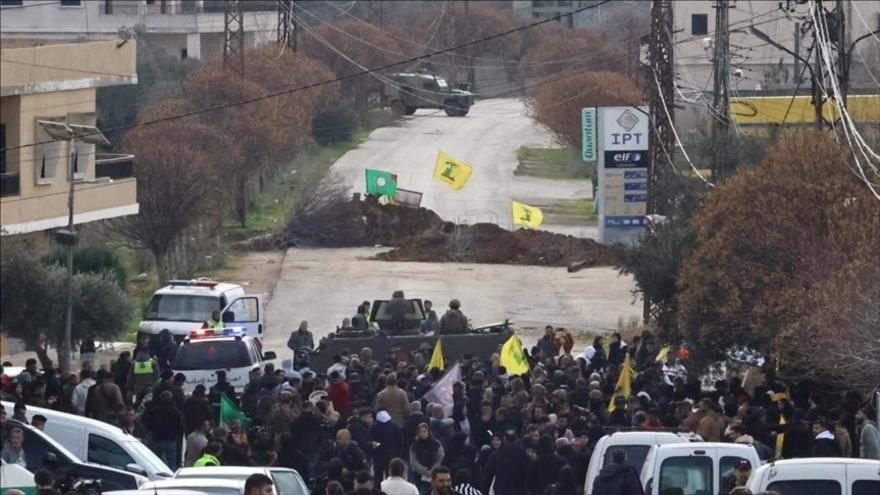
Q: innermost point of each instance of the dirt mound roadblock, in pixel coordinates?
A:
(419, 234)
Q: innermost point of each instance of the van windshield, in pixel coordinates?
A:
(211, 355)
(635, 455)
(182, 307)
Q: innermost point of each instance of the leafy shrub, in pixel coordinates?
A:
(97, 260)
(333, 125)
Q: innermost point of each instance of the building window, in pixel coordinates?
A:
(70, 3)
(48, 154)
(9, 3)
(699, 24)
(184, 53)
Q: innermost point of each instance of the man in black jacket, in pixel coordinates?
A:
(618, 478)
(508, 467)
(165, 422)
(824, 443)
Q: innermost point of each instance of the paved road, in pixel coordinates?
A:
(325, 285)
(487, 139)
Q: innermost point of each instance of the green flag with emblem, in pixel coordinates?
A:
(229, 412)
(381, 182)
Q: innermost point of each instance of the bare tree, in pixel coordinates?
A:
(177, 183)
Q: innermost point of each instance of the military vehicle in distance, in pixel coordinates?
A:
(481, 342)
(414, 90)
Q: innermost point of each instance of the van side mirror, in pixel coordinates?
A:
(228, 316)
(51, 460)
(134, 468)
(269, 355)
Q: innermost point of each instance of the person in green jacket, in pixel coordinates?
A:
(210, 456)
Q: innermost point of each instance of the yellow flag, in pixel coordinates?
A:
(524, 214)
(663, 354)
(452, 172)
(513, 358)
(437, 356)
(624, 383)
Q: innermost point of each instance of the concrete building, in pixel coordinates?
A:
(525, 11)
(183, 28)
(58, 82)
(758, 67)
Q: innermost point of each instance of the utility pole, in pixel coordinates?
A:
(286, 24)
(233, 36)
(661, 80)
(721, 80)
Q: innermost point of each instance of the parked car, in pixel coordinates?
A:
(286, 481)
(636, 445)
(206, 351)
(817, 476)
(101, 443)
(693, 468)
(15, 477)
(205, 486)
(42, 452)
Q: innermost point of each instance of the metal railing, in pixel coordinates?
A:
(10, 184)
(114, 166)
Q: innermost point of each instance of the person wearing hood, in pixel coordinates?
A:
(618, 478)
(425, 454)
(388, 442)
(165, 423)
(507, 468)
(824, 443)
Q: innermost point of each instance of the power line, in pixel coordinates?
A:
(336, 79)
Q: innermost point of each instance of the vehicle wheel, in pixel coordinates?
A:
(410, 110)
(464, 112)
(398, 108)
(453, 109)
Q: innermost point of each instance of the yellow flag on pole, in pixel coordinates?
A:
(437, 356)
(513, 358)
(524, 214)
(624, 382)
(452, 172)
(663, 354)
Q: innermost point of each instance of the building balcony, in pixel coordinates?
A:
(10, 184)
(113, 166)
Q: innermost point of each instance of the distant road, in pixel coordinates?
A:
(487, 139)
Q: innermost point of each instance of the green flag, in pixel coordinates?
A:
(381, 182)
(229, 412)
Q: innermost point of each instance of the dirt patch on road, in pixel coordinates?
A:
(419, 234)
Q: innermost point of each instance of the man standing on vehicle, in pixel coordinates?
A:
(454, 322)
(397, 309)
(301, 339)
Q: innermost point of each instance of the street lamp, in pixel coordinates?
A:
(72, 133)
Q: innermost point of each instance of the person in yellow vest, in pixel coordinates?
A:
(211, 455)
(144, 373)
(215, 322)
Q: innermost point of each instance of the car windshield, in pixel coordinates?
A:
(212, 354)
(181, 307)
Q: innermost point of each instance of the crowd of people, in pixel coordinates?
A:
(363, 425)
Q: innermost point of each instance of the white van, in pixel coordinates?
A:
(697, 468)
(285, 481)
(636, 444)
(184, 305)
(818, 476)
(100, 443)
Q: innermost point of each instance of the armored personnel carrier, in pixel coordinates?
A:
(406, 335)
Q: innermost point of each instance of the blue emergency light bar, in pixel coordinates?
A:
(237, 332)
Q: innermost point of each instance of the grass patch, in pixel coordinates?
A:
(552, 163)
(577, 209)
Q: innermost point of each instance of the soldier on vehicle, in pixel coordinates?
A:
(301, 339)
(397, 308)
(454, 322)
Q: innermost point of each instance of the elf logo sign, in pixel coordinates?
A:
(624, 129)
